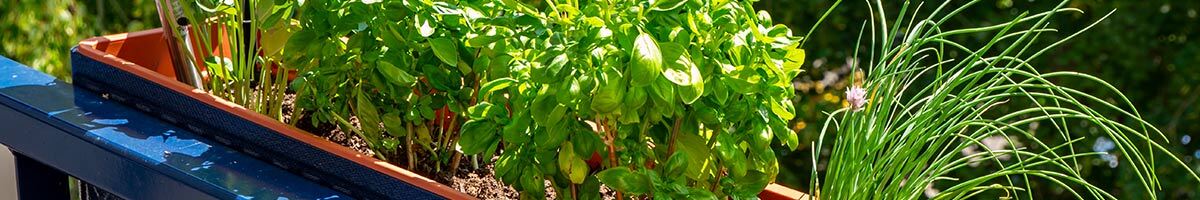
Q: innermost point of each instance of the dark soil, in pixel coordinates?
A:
(480, 183)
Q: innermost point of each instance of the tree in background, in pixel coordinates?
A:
(41, 33)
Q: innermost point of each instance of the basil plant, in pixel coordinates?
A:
(669, 98)
(398, 67)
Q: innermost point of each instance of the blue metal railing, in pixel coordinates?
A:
(57, 130)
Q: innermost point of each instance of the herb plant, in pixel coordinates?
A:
(926, 98)
(666, 99)
(399, 67)
(676, 99)
(242, 65)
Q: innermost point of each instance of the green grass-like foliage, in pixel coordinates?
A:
(241, 61)
(930, 98)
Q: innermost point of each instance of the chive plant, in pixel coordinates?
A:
(927, 96)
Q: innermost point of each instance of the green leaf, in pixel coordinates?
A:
(368, 117)
(751, 184)
(548, 138)
(443, 79)
(782, 108)
(786, 135)
(424, 138)
(706, 114)
(395, 75)
(795, 59)
(676, 164)
(690, 93)
(608, 99)
(586, 142)
(625, 180)
(667, 5)
(680, 69)
(532, 182)
(545, 109)
(477, 135)
(219, 67)
(664, 91)
(274, 39)
(590, 184)
(570, 92)
(517, 131)
(551, 72)
(507, 167)
(394, 125)
(700, 161)
(477, 41)
(647, 61)
(446, 50)
(760, 135)
(303, 40)
(635, 97)
(488, 88)
(683, 72)
(480, 111)
(731, 157)
(571, 165)
(701, 195)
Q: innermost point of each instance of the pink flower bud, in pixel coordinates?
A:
(857, 97)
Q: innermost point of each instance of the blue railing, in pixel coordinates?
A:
(58, 130)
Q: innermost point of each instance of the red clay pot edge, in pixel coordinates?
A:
(89, 49)
(776, 191)
(113, 43)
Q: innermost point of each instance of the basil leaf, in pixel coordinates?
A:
(488, 88)
(477, 135)
(394, 125)
(571, 165)
(625, 180)
(368, 117)
(667, 5)
(394, 74)
(646, 61)
(446, 50)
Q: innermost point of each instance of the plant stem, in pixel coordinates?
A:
(412, 157)
(457, 157)
(454, 160)
(674, 133)
(612, 148)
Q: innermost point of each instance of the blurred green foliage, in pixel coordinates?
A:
(1148, 49)
(40, 33)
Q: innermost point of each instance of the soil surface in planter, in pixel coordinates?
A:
(479, 182)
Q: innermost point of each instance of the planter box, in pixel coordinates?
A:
(135, 69)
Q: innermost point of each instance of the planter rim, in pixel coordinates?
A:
(777, 191)
(88, 47)
(91, 48)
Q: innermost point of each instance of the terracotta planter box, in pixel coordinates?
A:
(134, 68)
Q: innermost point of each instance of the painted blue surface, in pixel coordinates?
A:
(170, 153)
